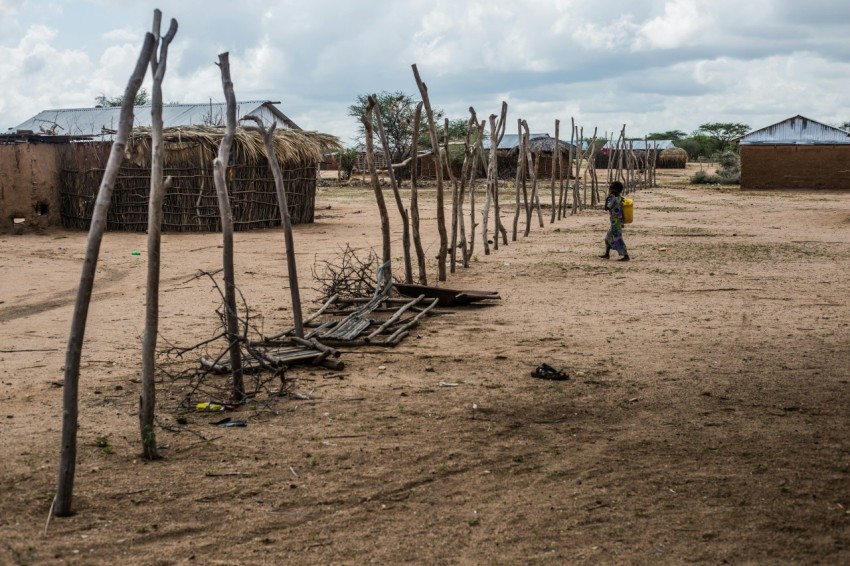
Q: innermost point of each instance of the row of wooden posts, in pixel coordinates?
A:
(154, 54)
(624, 166)
(149, 57)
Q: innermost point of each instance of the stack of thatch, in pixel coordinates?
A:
(191, 203)
(673, 158)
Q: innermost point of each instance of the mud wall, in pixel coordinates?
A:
(795, 167)
(29, 185)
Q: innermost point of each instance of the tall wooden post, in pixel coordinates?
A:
(70, 394)
(219, 178)
(147, 400)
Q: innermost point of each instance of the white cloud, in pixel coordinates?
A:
(680, 22)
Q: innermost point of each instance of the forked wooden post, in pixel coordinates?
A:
(147, 400)
(219, 177)
(289, 242)
(414, 199)
(435, 145)
(70, 394)
(386, 255)
(405, 220)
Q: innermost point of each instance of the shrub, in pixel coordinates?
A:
(702, 177)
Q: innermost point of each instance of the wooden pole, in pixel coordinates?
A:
(219, 178)
(289, 242)
(499, 227)
(520, 160)
(556, 153)
(379, 196)
(70, 394)
(405, 220)
(147, 400)
(414, 199)
(453, 180)
(435, 145)
(478, 154)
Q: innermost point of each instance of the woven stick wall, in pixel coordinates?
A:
(191, 205)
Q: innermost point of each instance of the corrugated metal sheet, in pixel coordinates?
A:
(511, 141)
(93, 121)
(797, 130)
(640, 145)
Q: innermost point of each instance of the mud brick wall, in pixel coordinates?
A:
(29, 184)
(795, 167)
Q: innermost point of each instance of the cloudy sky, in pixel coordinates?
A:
(653, 65)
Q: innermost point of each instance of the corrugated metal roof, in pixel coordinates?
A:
(93, 121)
(796, 130)
(640, 145)
(511, 141)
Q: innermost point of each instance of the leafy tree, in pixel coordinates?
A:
(397, 112)
(457, 131)
(723, 132)
(103, 101)
(697, 145)
(674, 135)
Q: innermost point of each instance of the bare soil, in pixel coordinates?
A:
(706, 419)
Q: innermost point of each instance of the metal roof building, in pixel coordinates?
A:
(104, 121)
(641, 145)
(798, 130)
(797, 153)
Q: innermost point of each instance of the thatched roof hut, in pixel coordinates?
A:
(673, 158)
(191, 204)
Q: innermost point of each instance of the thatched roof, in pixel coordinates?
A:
(198, 145)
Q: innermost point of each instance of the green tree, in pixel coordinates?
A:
(723, 132)
(398, 110)
(697, 145)
(668, 135)
(103, 101)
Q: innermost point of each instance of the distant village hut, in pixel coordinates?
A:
(53, 163)
(797, 153)
(663, 153)
(191, 204)
(542, 147)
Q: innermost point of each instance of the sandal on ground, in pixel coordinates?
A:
(545, 371)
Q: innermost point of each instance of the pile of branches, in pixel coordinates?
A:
(205, 382)
(350, 275)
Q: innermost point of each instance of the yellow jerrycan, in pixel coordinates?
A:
(628, 210)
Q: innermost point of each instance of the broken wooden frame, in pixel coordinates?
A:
(380, 320)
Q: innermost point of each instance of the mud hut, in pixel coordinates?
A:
(191, 204)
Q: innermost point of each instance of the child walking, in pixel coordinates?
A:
(614, 237)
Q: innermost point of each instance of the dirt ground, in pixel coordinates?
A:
(706, 419)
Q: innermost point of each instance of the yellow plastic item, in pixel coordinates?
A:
(628, 210)
(209, 407)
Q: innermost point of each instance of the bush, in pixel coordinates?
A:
(702, 177)
(347, 161)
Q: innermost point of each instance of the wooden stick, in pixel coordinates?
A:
(147, 400)
(435, 145)
(555, 160)
(414, 200)
(379, 196)
(453, 180)
(289, 242)
(405, 234)
(390, 321)
(226, 213)
(68, 455)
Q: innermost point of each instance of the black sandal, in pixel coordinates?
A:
(545, 371)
